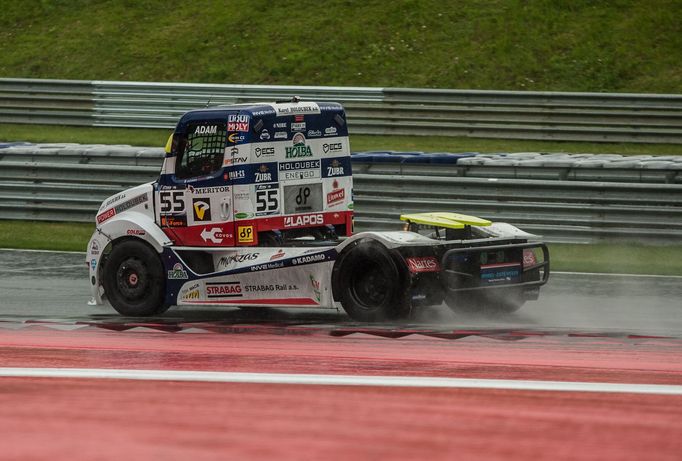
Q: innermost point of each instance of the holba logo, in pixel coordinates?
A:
(202, 210)
(299, 149)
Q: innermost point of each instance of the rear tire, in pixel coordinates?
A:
(134, 280)
(372, 286)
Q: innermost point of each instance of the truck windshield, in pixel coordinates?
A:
(201, 150)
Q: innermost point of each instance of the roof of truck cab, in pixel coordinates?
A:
(257, 110)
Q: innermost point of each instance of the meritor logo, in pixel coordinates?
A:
(299, 149)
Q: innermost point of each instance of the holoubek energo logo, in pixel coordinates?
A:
(202, 210)
(299, 149)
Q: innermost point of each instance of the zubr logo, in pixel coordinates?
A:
(202, 209)
(299, 149)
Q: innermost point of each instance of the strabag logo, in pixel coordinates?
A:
(237, 122)
(224, 290)
(423, 264)
(299, 149)
(304, 220)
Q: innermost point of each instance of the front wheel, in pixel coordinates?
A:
(372, 286)
(134, 280)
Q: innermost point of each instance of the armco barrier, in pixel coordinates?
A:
(68, 183)
(596, 117)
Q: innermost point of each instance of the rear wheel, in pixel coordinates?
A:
(134, 280)
(372, 285)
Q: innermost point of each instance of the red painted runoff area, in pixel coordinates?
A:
(83, 419)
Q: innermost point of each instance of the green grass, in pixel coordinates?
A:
(40, 235)
(562, 45)
(157, 138)
(612, 258)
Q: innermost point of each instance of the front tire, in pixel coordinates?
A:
(372, 286)
(134, 280)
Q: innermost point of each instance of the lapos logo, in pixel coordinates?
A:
(423, 264)
(202, 209)
(299, 149)
(203, 129)
(304, 220)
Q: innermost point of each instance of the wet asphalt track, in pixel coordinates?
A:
(46, 285)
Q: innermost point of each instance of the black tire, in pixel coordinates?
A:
(134, 280)
(372, 287)
(489, 302)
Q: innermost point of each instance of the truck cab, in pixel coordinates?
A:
(247, 175)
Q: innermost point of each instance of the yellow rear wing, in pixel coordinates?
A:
(444, 219)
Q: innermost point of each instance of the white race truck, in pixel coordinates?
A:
(253, 207)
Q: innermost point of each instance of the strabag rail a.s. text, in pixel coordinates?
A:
(253, 207)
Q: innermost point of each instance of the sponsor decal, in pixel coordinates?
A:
(237, 122)
(264, 135)
(304, 220)
(336, 196)
(215, 235)
(423, 264)
(296, 108)
(308, 259)
(333, 147)
(174, 220)
(235, 161)
(299, 165)
(207, 129)
(280, 254)
(268, 288)
(502, 272)
(314, 133)
(93, 263)
(227, 261)
(267, 266)
(330, 131)
(121, 207)
(529, 258)
(299, 149)
(113, 199)
(211, 190)
(242, 215)
(263, 174)
(316, 287)
(298, 126)
(191, 292)
(105, 215)
(223, 289)
(280, 125)
(264, 151)
(245, 234)
(202, 209)
(135, 232)
(234, 138)
(281, 135)
(335, 169)
(177, 273)
(94, 248)
(237, 174)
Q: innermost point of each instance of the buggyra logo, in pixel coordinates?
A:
(299, 149)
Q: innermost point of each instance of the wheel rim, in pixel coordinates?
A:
(132, 279)
(370, 287)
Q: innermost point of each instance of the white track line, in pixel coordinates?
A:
(338, 380)
(607, 274)
(42, 251)
(41, 268)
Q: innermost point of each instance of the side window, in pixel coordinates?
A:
(201, 150)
